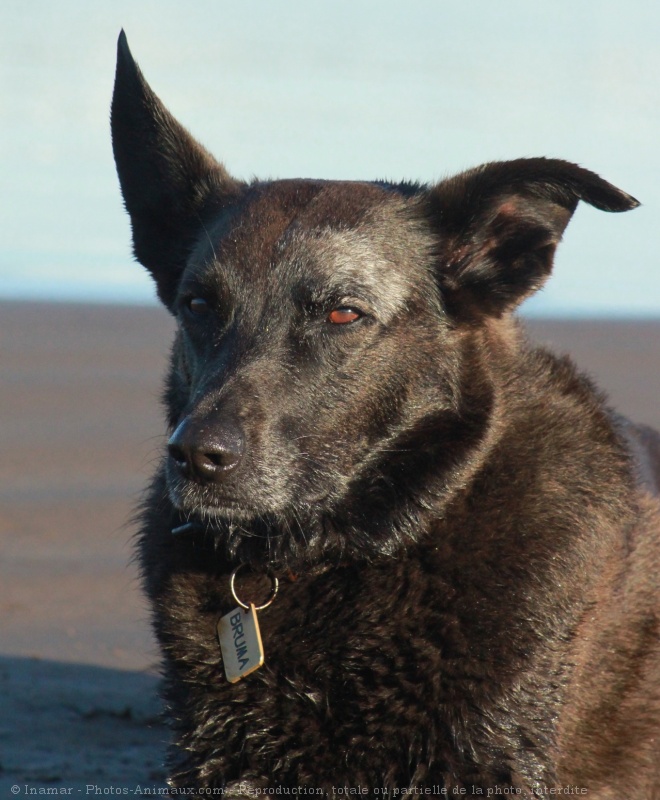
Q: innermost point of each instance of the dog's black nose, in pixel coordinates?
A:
(205, 451)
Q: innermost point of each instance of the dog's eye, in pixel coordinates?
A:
(197, 306)
(343, 315)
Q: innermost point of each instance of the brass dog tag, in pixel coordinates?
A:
(240, 642)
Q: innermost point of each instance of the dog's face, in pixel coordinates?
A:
(326, 366)
(305, 312)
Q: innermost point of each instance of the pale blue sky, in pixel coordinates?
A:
(344, 89)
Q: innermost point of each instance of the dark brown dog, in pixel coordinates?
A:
(468, 597)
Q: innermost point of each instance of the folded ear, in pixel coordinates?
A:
(498, 226)
(170, 183)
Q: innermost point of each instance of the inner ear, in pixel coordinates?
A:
(505, 258)
(498, 227)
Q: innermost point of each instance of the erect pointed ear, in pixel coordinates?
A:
(498, 226)
(170, 183)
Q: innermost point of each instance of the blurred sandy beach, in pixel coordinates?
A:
(80, 432)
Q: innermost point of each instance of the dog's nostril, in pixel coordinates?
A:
(225, 459)
(177, 453)
(219, 456)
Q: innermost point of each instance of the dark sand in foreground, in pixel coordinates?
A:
(80, 433)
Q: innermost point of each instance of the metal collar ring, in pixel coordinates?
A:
(274, 587)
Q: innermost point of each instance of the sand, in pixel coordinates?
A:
(80, 433)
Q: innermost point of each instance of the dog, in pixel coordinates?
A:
(392, 548)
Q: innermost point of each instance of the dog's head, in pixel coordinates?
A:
(327, 367)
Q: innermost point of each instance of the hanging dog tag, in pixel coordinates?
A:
(239, 635)
(240, 642)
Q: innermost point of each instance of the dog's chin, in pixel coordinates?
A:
(227, 504)
(222, 500)
(285, 538)
(219, 510)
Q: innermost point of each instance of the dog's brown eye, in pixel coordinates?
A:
(343, 315)
(197, 306)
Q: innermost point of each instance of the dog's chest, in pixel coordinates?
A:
(351, 657)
